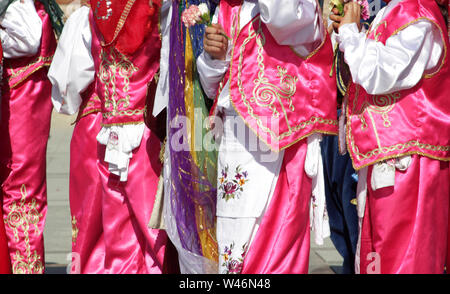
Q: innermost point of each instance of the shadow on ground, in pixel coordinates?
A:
(55, 269)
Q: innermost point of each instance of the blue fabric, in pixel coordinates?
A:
(340, 189)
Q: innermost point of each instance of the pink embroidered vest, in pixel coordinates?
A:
(17, 70)
(282, 97)
(90, 102)
(412, 121)
(122, 81)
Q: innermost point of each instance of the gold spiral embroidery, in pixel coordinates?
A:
(266, 94)
(382, 105)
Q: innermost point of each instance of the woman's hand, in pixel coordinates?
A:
(352, 14)
(336, 18)
(215, 43)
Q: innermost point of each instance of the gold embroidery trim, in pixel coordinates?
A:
(399, 146)
(22, 216)
(127, 112)
(46, 61)
(75, 230)
(92, 101)
(288, 89)
(121, 22)
(25, 68)
(443, 36)
(118, 64)
(382, 104)
(122, 124)
(314, 52)
(386, 149)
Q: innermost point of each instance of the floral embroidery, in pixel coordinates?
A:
(74, 230)
(314, 201)
(232, 188)
(24, 217)
(115, 65)
(233, 265)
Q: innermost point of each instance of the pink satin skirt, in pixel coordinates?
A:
(282, 243)
(5, 263)
(130, 247)
(405, 227)
(24, 132)
(109, 217)
(88, 253)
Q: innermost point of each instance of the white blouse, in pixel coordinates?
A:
(400, 64)
(72, 69)
(21, 30)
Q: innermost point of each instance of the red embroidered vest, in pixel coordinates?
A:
(122, 81)
(90, 102)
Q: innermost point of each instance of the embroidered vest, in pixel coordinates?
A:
(90, 102)
(17, 70)
(282, 97)
(122, 81)
(412, 121)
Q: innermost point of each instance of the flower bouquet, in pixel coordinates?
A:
(339, 4)
(194, 15)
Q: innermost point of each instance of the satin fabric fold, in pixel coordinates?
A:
(282, 243)
(85, 197)
(5, 263)
(405, 227)
(130, 246)
(24, 132)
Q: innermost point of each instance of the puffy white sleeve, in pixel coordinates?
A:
(21, 30)
(72, 69)
(211, 71)
(400, 64)
(296, 23)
